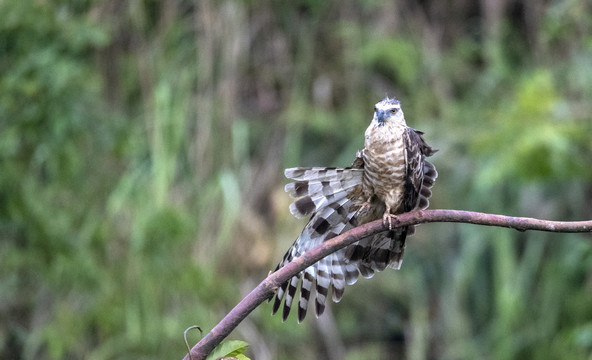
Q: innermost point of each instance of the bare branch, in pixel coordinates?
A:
(270, 284)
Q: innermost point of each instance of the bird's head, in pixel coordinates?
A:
(387, 111)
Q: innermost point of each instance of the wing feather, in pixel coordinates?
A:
(326, 193)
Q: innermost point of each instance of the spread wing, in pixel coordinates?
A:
(324, 194)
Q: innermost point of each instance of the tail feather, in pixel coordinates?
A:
(366, 271)
(378, 252)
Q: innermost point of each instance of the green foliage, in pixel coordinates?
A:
(142, 146)
(230, 349)
(394, 57)
(541, 140)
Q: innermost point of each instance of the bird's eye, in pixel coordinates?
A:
(394, 111)
(375, 109)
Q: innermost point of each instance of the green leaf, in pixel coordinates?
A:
(232, 348)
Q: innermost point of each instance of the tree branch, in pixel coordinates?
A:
(270, 284)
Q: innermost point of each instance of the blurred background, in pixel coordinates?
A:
(142, 148)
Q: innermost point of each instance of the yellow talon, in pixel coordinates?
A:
(388, 218)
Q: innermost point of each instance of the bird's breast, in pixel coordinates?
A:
(385, 167)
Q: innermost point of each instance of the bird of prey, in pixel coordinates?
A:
(389, 176)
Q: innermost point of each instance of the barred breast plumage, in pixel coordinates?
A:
(384, 164)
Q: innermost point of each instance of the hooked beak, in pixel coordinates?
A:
(381, 116)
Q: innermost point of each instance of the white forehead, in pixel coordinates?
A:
(388, 104)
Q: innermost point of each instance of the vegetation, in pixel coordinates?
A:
(141, 154)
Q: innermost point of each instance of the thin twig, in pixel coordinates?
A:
(185, 338)
(270, 284)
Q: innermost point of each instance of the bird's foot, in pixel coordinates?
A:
(388, 219)
(365, 206)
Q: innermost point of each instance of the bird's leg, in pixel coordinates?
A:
(387, 218)
(365, 205)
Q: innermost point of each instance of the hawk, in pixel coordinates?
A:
(389, 176)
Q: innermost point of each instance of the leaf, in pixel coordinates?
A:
(232, 348)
